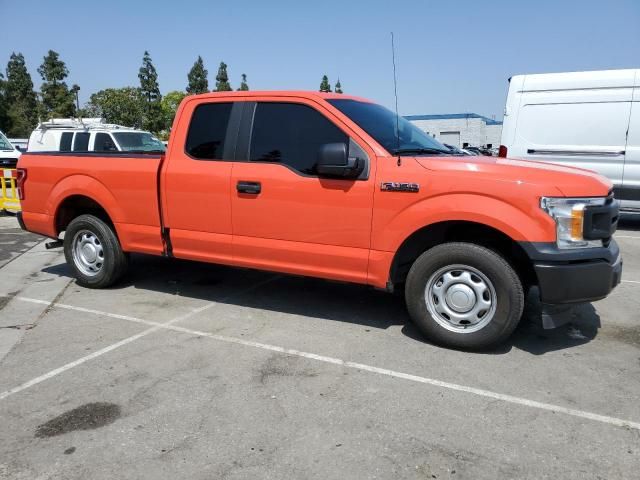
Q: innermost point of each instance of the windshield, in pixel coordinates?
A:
(138, 141)
(380, 123)
(4, 143)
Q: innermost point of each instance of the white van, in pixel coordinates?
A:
(585, 119)
(9, 154)
(90, 135)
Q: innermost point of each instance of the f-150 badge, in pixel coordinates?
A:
(399, 187)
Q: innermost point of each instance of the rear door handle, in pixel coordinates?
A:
(253, 188)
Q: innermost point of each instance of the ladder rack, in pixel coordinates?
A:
(82, 123)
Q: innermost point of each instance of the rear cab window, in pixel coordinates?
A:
(208, 131)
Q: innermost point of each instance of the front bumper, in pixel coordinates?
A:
(575, 276)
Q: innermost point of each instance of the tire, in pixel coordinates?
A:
(98, 261)
(457, 275)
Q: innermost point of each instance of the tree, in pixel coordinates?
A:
(338, 87)
(324, 85)
(22, 105)
(222, 79)
(198, 82)
(124, 106)
(4, 106)
(57, 100)
(170, 103)
(243, 84)
(152, 119)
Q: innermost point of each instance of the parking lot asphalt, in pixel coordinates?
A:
(189, 370)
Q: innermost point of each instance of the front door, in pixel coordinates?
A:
(287, 218)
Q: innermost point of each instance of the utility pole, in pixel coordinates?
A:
(75, 89)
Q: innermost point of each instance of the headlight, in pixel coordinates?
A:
(569, 216)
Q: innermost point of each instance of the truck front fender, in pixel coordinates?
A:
(519, 225)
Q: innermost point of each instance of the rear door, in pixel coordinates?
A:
(195, 182)
(287, 218)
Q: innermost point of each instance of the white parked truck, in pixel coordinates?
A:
(90, 135)
(9, 154)
(583, 119)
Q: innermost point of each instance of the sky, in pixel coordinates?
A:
(451, 56)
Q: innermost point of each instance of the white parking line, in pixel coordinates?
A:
(627, 236)
(155, 326)
(312, 356)
(97, 353)
(630, 281)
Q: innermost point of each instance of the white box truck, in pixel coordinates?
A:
(584, 119)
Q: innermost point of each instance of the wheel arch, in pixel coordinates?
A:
(428, 236)
(79, 194)
(75, 205)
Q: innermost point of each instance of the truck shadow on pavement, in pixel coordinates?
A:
(336, 301)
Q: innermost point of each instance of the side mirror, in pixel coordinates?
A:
(20, 148)
(334, 162)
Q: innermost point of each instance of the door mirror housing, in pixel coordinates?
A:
(334, 162)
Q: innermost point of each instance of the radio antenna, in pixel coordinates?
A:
(395, 92)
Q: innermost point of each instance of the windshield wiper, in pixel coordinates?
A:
(407, 151)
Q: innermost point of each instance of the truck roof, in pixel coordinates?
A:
(282, 93)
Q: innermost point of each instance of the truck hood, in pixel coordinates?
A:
(572, 182)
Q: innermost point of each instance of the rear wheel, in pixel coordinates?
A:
(462, 295)
(93, 251)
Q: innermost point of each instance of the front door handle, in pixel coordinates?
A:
(252, 188)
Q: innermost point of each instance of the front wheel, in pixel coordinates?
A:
(462, 295)
(93, 251)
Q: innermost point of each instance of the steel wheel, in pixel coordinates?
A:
(88, 253)
(460, 298)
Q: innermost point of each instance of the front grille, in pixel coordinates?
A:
(8, 161)
(601, 221)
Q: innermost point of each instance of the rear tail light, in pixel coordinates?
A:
(20, 175)
(502, 151)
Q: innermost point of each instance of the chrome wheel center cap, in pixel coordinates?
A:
(460, 297)
(89, 252)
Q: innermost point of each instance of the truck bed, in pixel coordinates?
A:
(125, 185)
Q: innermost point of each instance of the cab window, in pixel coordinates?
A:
(104, 143)
(138, 142)
(291, 134)
(207, 131)
(81, 142)
(65, 141)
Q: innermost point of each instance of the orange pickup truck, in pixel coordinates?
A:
(337, 187)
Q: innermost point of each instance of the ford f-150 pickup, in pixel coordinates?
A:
(337, 187)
